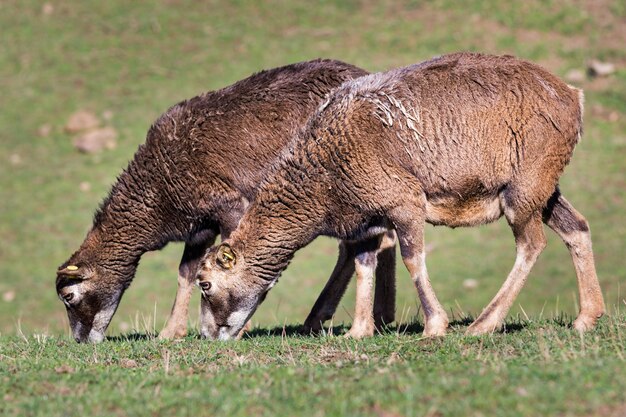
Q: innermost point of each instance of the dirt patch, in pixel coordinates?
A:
(381, 412)
(128, 363)
(610, 411)
(96, 140)
(64, 369)
(81, 120)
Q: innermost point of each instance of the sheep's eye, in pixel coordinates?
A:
(68, 296)
(205, 285)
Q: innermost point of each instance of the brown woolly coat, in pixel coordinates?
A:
(202, 161)
(461, 130)
(459, 140)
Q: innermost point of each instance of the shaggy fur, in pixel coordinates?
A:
(201, 163)
(460, 140)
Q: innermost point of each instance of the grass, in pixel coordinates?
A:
(536, 368)
(135, 59)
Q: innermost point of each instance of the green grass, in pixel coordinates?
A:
(537, 368)
(135, 59)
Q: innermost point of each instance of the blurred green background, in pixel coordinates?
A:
(127, 62)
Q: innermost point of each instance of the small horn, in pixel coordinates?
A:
(226, 257)
(72, 272)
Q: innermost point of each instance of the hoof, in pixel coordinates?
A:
(584, 323)
(384, 322)
(312, 327)
(359, 333)
(176, 333)
(436, 326)
(434, 332)
(482, 328)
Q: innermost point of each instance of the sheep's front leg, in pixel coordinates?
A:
(409, 223)
(176, 325)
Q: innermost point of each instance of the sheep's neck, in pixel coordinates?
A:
(126, 226)
(272, 231)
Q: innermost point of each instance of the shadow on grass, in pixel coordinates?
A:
(416, 327)
(412, 328)
(131, 337)
(293, 330)
(512, 325)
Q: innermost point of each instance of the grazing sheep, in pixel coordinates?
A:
(190, 181)
(459, 140)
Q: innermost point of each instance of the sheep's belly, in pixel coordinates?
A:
(457, 212)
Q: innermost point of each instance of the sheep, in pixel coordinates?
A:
(190, 181)
(460, 140)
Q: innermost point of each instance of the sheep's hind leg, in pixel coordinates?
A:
(409, 222)
(530, 241)
(385, 293)
(176, 325)
(365, 266)
(573, 228)
(329, 298)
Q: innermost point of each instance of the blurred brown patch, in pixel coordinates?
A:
(128, 363)
(8, 296)
(64, 369)
(81, 120)
(96, 140)
(380, 412)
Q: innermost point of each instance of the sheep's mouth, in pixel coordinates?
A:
(224, 332)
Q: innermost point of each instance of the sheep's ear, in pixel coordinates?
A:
(226, 257)
(73, 272)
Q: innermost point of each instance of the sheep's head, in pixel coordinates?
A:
(90, 296)
(230, 294)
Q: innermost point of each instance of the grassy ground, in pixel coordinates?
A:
(540, 368)
(135, 59)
